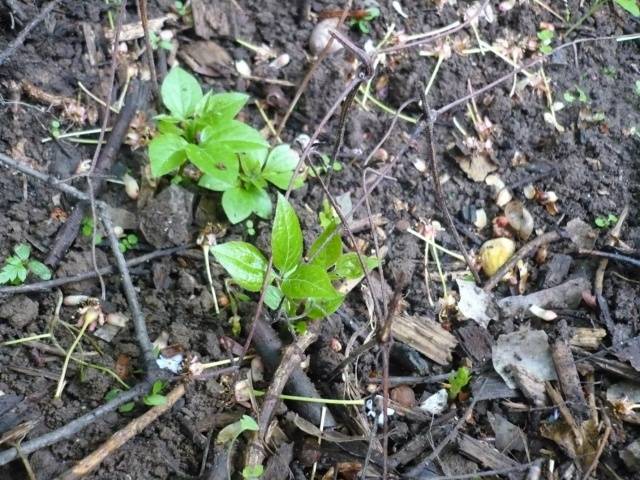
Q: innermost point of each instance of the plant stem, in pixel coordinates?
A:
(88, 320)
(26, 339)
(205, 252)
(219, 363)
(384, 107)
(328, 401)
(455, 255)
(433, 75)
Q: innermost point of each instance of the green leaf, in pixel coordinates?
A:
(111, 394)
(238, 204)
(23, 251)
(5, 276)
(22, 274)
(630, 6)
(252, 471)
(327, 248)
(458, 380)
(308, 281)
(167, 124)
(348, 266)
(126, 407)
(181, 93)
(157, 387)
(154, 399)
(247, 423)
(545, 35)
(243, 262)
(253, 161)
(39, 269)
(322, 308)
(233, 430)
(286, 237)
(568, 97)
(272, 297)
(261, 201)
(166, 153)
(234, 135)
(218, 164)
(601, 222)
(224, 106)
(280, 166)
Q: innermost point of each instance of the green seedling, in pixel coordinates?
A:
(232, 156)
(228, 436)
(159, 42)
(630, 6)
(545, 37)
(155, 396)
(18, 266)
(128, 242)
(181, 8)
(327, 215)
(249, 227)
(326, 167)
(575, 94)
(606, 222)
(458, 380)
(125, 407)
(54, 128)
(86, 227)
(303, 286)
(363, 21)
(609, 71)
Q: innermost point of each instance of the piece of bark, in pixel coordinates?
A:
(568, 378)
(491, 387)
(483, 453)
(135, 30)
(564, 296)
(210, 18)
(557, 270)
(476, 341)
(531, 387)
(426, 336)
(588, 338)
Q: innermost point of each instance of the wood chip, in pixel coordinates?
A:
(133, 31)
(484, 453)
(426, 336)
(588, 338)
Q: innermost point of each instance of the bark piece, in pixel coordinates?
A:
(426, 336)
(588, 338)
(476, 341)
(210, 18)
(166, 220)
(564, 296)
(531, 386)
(568, 378)
(484, 453)
(558, 269)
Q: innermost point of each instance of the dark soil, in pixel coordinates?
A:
(592, 167)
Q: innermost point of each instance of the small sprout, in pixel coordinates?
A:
(636, 88)
(606, 222)
(54, 128)
(155, 396)
(180, 8)
(128, 242)
(545, 38)
(609, 71)
(251, 472)
(86, 227)
(575, 94)
(457, 381)
(159, 41)
(18, 266)
(362, 19)
(495, 253)
(251, 231)
(630, 6)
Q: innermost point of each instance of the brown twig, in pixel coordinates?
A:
(606, 256)
(144, 18)
(89, 463)
(22, 36)
(603, 443)
(437, 186)
(526, 250)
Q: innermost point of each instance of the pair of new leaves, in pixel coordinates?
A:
(18, 266)
(232, 156)
(303, 285)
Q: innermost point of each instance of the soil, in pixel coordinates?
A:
(592, 167)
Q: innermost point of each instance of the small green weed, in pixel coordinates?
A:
(181, 8)
(606, 222)
(18, 266)
(326, 167)
(458, 380)
(152, 399)
(630, 6)
(128, 242)
(302, 285)
(545, 37)
(363, 22)
(158, 42)
(232, 156)
(230, 433)
(86, 228)
(575, 94)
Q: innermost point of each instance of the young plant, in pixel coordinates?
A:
(86, 227)
(606, 222)
(575, 94)
(230, 433)
(303, 285)
(545, 37)
(458, 380)
(362, 20)
(232, 156)
(18, 266)
(155, 396)
(630, 6)
(128, 242)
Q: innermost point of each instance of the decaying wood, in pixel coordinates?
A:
(588, 338)
(531, 387)
(133, 428)
(568, 378)
(135, 30)
(483, 453)
(559, 402)
(565, 296)
(426, 336)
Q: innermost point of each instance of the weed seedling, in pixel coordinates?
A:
(125, 407)
(155, 396)
(606, 222)
(303, 286)
(229, 434)
(128, 242)
(326, 166)
(545, 37)
(458, 380)
(18, 266)
(362, 20)
(87, 229)
(54, 128)
(157, 41)
(630, 6)
(181, 8)
(575, 94)
(232, 156)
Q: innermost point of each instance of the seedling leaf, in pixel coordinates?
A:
(286, 237)
(630, 6)
(272, 297)
(308, 281)
(327, 248)
(223, 106)
(235, 429)
(181, 93)
(23, 251)
(39, 269)
(155, 399)
(237, 203)
(233, 135)
(458, 380)
(280, 166)
(243, 262)
(219, 165)
(166, 153)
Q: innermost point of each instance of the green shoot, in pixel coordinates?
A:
(86, 227)
(232, 156)
(230, 433)
(128, 242)
(606, 222)
(575, 94)
(303, 286)
(125, 407)
(181, 8)
(157, 41)
(363, 22)
(545, 37)
(155, 396)
(18, 266)
(458, 380)
(630, 6)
